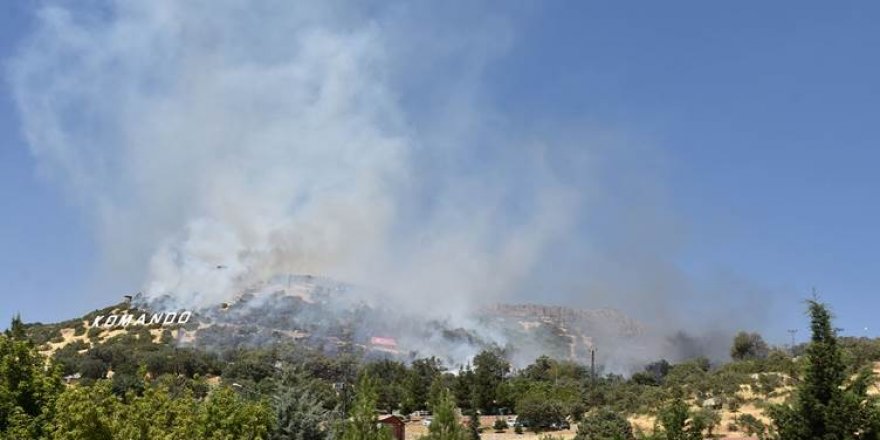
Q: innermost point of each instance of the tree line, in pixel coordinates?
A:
(131, 387)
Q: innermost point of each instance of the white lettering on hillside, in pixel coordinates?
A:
(126, 319)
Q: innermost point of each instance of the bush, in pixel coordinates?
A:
(94, 332)
(78, 345)
(769, 382)
(734, 403)
(752, 426)
(500, 425)
(748, 346)
(91, 368)
(604, 424)
(538, 410)
(678, 422)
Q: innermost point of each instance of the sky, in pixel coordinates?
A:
(745, 130)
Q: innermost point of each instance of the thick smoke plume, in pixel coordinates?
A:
(229, 146)
(219, 143)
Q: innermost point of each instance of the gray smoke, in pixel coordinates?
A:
(218, 143)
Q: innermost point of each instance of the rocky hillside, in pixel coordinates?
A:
(322, 314)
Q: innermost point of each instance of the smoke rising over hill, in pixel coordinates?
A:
(265, 141)
(214, 151)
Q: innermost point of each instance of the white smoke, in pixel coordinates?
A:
(218, 143)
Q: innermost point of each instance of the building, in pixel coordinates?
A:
(395, 425)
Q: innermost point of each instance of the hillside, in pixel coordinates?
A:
(322, 314)
(262, 344)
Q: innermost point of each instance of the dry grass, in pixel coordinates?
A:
(415, 429)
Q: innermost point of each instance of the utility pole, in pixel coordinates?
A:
(792, 331)
(593, 365)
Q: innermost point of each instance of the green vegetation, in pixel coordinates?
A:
(27, 389)
(605, 424)
(163, 410)
(748, 346)
(677, 422)
(446, 425)
(363, 422)
(827, 405)
(133, 386)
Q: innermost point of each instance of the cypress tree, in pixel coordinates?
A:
(825, 407)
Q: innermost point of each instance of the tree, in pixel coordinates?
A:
(463, 387)
(164, 410)
(16, 330)
(490, 367)
(473, 429)
(747, 346)
(675, 422)
(390, 377)
(225, 415)
(445, 425)
(417, 385)
(824, 406)
(654, 373)
(86, 413)
(537, 409)
(28, 388)
(707, 419)
(363, 424)
(541, 370)
(604, 424)
(299, 413)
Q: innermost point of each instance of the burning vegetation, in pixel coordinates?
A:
(292, 386)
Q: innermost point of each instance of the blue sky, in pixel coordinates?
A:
(762, 120)
(46, 247)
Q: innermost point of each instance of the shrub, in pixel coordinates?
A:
(733, 404)
(94, 332)
(91, 368)
(539, 410)
(752, 426)
(604, 424)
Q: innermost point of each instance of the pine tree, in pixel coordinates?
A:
(299, 414)
(474, 419)
(824, 407)
(16, 330)
(363, 424)
(445, 424)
